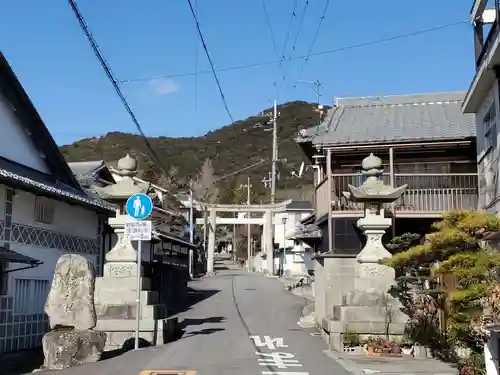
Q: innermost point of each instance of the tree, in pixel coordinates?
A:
(205, 184)
(459, 247)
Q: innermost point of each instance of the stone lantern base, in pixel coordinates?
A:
(115, 304)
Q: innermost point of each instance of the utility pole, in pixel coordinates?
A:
(249, 235)
(275, 155)
(191, 230)
(248, 185)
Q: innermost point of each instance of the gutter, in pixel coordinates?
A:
(393, 145)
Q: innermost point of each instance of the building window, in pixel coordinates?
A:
(490, 128)
(44, 210)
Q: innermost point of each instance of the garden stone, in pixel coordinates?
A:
(70, 302)
(71, 311)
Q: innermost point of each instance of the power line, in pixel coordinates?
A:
(323, 15)
(301, 21)
(97, 51)
(212, 67)
(292, 17)
(273, 39)
(321, 53)
(109, 73)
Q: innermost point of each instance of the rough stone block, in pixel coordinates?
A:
(65, 348)
(71, 298)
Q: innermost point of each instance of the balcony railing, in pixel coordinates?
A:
(426, 193)
(488, 44)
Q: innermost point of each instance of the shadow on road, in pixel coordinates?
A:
(21, 362)
(198, 321)
(194, 296)
(205, 331)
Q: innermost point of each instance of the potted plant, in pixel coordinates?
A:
(406, 346)
(351, 341)
(377, 346)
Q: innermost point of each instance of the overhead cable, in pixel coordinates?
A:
(212, 67)
(321, 53)
(323, 15)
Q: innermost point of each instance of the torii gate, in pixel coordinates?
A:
(266, 221)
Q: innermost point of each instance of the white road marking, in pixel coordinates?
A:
(278, 359)
(281, 360)
(271, 343)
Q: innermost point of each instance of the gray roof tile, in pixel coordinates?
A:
(399, 118)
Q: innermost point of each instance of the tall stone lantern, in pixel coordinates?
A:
(368, 309)
(115, 292)
(126, 186)
(374, 193)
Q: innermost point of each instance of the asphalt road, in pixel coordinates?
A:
(234, 306)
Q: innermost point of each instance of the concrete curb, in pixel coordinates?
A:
(345, 363)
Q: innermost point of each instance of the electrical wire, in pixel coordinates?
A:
(321, 53)
(212, 67)
(273, 39)
(152, 153)
(301, 21)
(109, 73)
(323, 15)
(287, 37)
(97, 51)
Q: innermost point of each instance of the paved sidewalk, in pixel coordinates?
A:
(361, 365)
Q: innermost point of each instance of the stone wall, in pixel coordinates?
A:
(333, 277)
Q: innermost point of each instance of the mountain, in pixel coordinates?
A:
(230, 148)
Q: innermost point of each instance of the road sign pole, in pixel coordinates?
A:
(138, 297)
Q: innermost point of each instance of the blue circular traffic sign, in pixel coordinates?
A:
(139, 206)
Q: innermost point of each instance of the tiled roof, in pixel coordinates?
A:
(399, 118)
(9, 256)
(29, 178)
(85, 168)
(299, 205)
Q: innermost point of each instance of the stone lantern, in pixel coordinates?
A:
(115, 292)
(374, 193)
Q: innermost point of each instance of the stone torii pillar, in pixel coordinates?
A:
(211, 241)
(268, 241)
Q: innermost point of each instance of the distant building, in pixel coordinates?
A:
(424, 140)
(44, 213)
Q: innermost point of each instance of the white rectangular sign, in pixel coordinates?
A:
(139, 230)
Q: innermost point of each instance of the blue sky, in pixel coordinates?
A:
(54, 62)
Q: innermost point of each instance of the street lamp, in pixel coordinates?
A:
(283, 221)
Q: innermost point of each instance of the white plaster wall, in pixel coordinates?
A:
(488, 164)
(68, 219)
(15, 144)
(45, 271)
(292, 222)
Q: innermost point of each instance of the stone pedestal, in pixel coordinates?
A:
(115, 298)
(368, 309)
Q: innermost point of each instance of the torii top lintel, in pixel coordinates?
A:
(276, 207)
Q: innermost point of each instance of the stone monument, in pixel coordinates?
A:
(368, 309)
(115, 294)
(70, 308)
